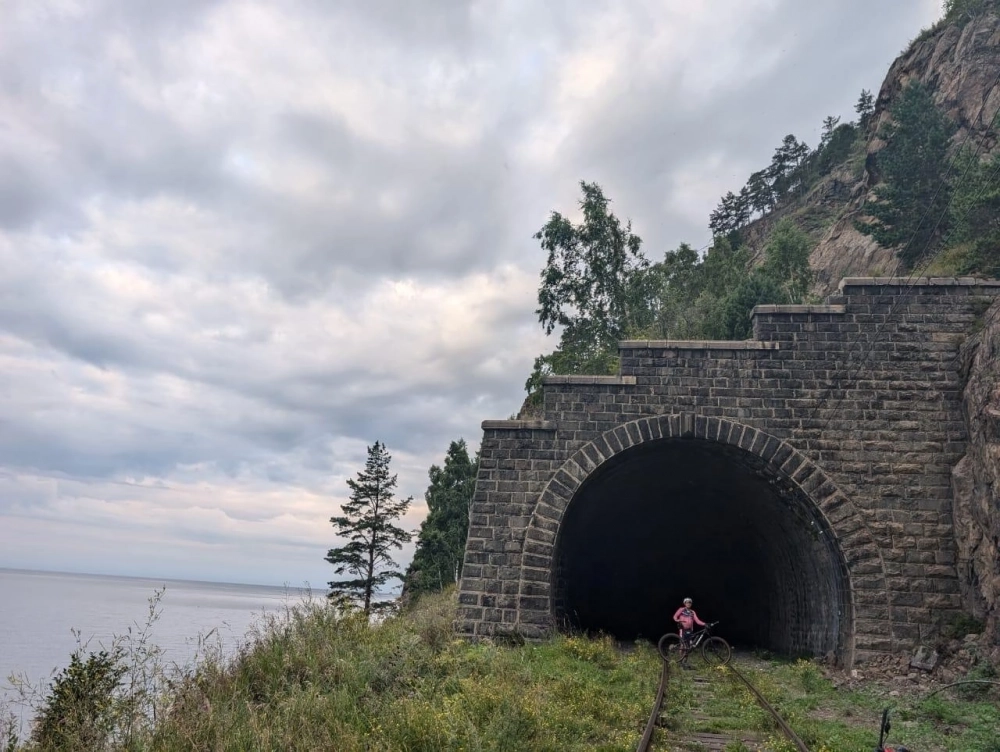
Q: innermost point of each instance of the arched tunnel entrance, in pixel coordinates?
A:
(687, 517)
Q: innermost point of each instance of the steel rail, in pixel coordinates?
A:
(792, 736)
(646, 740)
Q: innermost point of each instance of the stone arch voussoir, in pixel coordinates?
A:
(860, 554)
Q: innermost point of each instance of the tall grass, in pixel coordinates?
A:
(108, 697)
(314, 678)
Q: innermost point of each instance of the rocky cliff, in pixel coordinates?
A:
(960, 61)
(976, 478)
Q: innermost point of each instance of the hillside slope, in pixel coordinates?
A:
(959, 60)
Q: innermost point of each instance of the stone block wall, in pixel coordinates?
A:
(856, 403)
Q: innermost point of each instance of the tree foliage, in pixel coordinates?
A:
(684, 296)
(910, 205)
(732, 213)
(785, 173)
(975, 212)
(783, 277)
(437, 561)
(830, 123)
(593, 287)
(786, 260)
(367, 525)
(711, 297)
(760, 194)
(865, 107)
(835, 148)
(792, 169)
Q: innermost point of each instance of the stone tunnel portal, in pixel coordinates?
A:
(686, 517)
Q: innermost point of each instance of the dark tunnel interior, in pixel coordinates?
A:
(684, 517)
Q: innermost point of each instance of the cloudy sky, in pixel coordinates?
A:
(243, 240)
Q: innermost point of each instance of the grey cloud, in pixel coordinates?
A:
(204, 207)
(112, 145)
(645, 132)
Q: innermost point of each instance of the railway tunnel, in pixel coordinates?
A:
(682, 517)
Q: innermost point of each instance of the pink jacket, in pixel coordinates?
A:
(687, 618)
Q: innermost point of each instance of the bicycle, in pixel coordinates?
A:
(715, 651)
(883, 732)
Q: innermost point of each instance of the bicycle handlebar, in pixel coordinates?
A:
(708, 625)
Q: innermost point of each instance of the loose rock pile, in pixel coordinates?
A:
(927, 669)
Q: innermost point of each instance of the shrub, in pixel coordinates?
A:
(9, 737)
(79, 712)
(810, 676)
(961, 625)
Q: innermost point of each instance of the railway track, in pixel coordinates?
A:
(661, 703)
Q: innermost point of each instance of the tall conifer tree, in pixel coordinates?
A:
(437, 561)
(367, 525)
(910, 210)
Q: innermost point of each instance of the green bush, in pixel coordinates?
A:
(983, 670)
(960, 625)
(79, 712)
(810, 677)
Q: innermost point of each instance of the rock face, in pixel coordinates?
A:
(976, 477)
(960, 62)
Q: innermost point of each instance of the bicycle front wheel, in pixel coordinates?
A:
(669, 646)
(716, 651)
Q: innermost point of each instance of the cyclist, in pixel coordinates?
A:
(686, 618)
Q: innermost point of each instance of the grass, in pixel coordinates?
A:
(829, 719)
(950, 262)
(315, 679)
(319, 681)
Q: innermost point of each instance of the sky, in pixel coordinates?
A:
(241, 241)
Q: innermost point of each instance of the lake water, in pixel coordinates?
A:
(40, 610)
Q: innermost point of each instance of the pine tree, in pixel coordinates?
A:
(367, 525)
(911, 202)
(732, 214)
(759, 192)
(865, 108)
(829, 125)
(784, 164)
(975, 212)
(437, 561)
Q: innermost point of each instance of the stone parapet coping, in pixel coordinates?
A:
(917, 282)
(696, 344)
(519, 425)
(610, 380)
(798, 309)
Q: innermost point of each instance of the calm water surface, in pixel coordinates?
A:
(40, 610)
